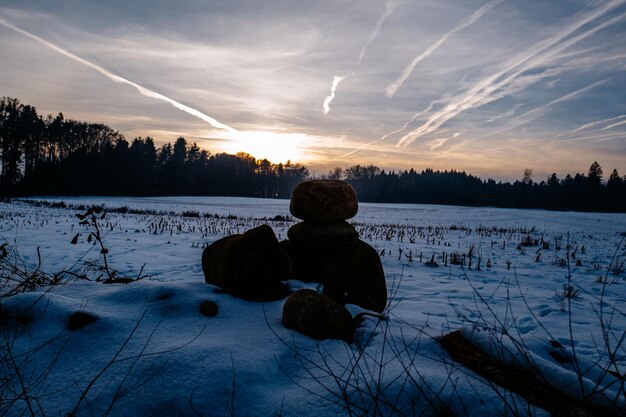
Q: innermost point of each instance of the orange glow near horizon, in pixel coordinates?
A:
(276, 147)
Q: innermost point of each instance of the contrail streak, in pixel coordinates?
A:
(509, 113)
(529, 115)
(333, 88)
(596, 138)
(589, 125)
(439, 142)
(598, 122)
(611, 126)
(389, 7)
(511, 79)
(408, 70)
(406, 124)
(113, 77)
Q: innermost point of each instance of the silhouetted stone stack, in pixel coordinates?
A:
(317, 316)
(249, 265)
(323, 248)
(327, 249)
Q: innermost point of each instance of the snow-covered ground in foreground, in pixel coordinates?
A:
(168, 359)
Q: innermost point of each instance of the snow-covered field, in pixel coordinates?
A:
(150, 351)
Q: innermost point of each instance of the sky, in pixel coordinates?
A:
(489, 87)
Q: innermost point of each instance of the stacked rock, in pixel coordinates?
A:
(327, 249)
(318, 316)
(251, 265)
(322, 248)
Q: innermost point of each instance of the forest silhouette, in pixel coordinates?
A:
(53, 155)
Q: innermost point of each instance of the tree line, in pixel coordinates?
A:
(583, 192)
(53, 155)
(58, 156)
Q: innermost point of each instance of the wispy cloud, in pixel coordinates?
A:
(613, 125)
(591, 125)
(408, 70)
(402, 129)
(597, 131)
(530, 115)
(506, 115)
(118, 79)
(389, 8)
(333, 88)
(439, 142)
(517, 75)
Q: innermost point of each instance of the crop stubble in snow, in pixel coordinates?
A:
(436, 299)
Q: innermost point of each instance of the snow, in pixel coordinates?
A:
(244, 362)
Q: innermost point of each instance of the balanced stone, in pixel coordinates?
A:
(303, 264)
(355, 276)
(323, 201)
(317, 316)
(246, 263)
(335, 236)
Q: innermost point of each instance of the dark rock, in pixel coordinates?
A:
(323, 201)
(317, 316)
(355, 276)
(335, 236)
(248, 263)
(209, 308)
(303, 265)
(214, 248)
(79, 320)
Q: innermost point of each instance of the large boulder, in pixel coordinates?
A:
(251, 264)
(317, 316)
(303, 266)
(355, 276)
(323, 201)
(335, 236)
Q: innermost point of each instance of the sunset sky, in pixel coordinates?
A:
(490, 87)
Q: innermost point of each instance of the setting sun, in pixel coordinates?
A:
(276, 147)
